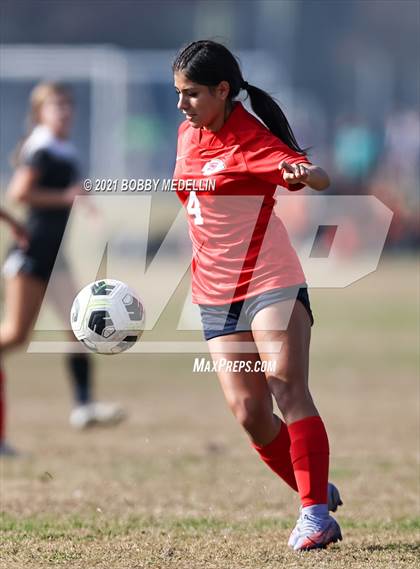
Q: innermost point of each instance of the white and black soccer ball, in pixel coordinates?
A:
(107, 316)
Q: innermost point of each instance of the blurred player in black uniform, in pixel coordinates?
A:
(47, 181)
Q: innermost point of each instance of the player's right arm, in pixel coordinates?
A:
(24, 188)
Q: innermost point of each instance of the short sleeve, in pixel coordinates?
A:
(263, 155)
(37, 159)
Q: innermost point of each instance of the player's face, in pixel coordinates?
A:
(202, 106)
(57, 114)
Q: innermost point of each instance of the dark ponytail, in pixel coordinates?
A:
(272, 116)
(208, 63)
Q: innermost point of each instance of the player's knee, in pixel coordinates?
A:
(13, 336)
(249, 413)
(289, 393)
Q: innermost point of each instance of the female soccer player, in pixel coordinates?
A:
(247, 276)
(46, 180)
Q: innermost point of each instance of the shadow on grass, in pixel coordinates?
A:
(408, 547)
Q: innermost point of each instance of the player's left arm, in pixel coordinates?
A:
(308, 174)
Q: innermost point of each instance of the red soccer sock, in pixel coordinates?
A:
(276, 456)
(2, 407)
(309, 451)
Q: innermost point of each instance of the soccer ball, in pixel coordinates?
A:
(107, 316)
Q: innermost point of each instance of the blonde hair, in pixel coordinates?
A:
(39, 94)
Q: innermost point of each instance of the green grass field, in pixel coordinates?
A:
(177, 485)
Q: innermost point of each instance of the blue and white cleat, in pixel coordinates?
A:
(7, 450)
(96, 413)
(334, 500)
(316, 532)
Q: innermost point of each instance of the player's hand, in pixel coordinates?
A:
(20, 234)
(76, 190)
(71, 193)
(294, 173)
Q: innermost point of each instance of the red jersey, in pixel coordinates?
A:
(240, 247)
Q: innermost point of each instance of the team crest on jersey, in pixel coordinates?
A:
(213, 166)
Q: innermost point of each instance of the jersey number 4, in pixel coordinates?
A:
(193, 208)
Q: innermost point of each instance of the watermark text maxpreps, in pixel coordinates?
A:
(204, 365)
